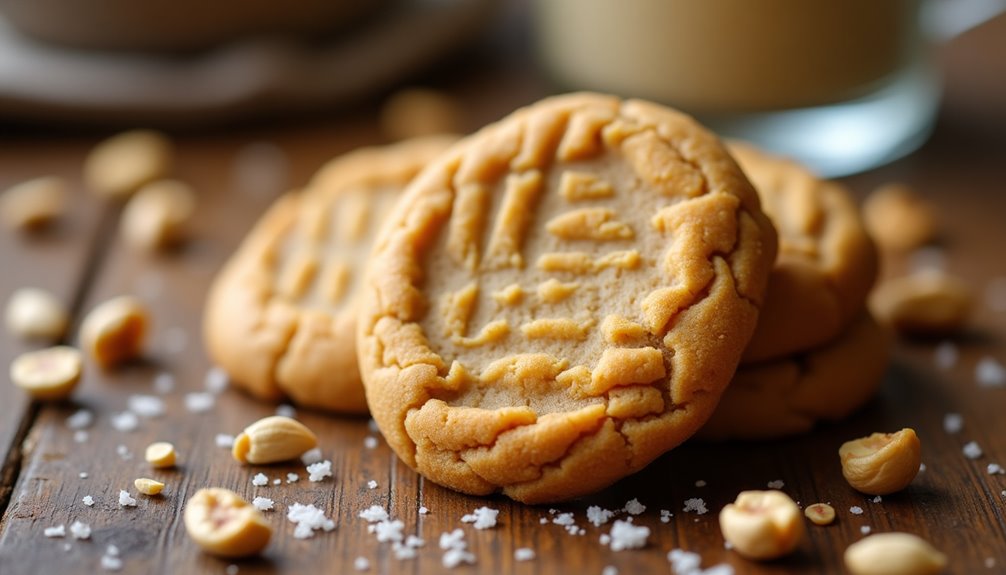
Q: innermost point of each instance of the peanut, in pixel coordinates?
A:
(36, 314)
(881, 463)
(762, 524)
(115, 330)
(894, 554)
(155, 217)
(273, 439)
(224, 524)
(47, 374)
(148, 486)
(820, 513)
(161, 455)
(118, 166)
(34, 203)
(898, 219)
(929, 303)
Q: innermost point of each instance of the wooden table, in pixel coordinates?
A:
(954, 503)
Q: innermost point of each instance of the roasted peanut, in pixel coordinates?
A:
(881, 463)
(33, 203)
(224, 524)
(35, 313)
(161, 455)
(898, 219)
(894, 554)
(762, 524)
(115, 330)
(118, 166)
(928, 303)
(47, 374)
(820, 513)
(148, 486)
(156, 216)
(273, 439)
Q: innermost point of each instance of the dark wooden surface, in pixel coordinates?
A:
(954, 503)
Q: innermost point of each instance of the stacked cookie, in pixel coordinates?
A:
(817, 353)
(556, 300)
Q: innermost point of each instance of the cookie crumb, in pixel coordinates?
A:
(481, 518)
(972, 450)
(625, 535)
(990, 373)
(856, 510)
(953, 422)
(634, 507)
(524, 554)
(946, 355)
(696, 505)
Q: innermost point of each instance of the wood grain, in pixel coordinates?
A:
(955, 503)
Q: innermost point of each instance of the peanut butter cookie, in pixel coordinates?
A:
(561, 298)
(827, 262)
(280, 317)
(788, 396)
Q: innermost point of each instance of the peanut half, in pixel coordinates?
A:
(36, 314)
(898, 218)
(224, 524)
(148, 486)
(47, 374)
(273, 439)
(115, 330)
(881, 463)
(929, 303)
(820, 513)
(894, 554)
(762, 524)
(34, 203)
(155, 217)
(118, 166)
(161, 455)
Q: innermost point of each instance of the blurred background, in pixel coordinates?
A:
(844, 85)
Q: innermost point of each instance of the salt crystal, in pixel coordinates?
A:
(308, 519)
(373, 514)
(57, 531)
(625, 535)
(372, 426)
(877, 499)
(260, 480)
(110, 563)
(946, 355)
(972, 450)
(953, 422)
(224, 441)
(990, 562)
(777, 484)
(112, 551)
(361, 564)
(88, 500)
(311, 456)
(424, 510)
(81, 419)
(856, 510)
(164, 383)
(922, 467)
(696, 505)
(232, 569)
(454, 557)
(599, 516)
(199, 402)
(995, 294)
(292, 478)
(319, 471)
(523, 554)
(700, 483)
(865, 529)
(146, 405)
(125, 500)
(665, 515)
(286, 410)
(372, 484)
(994, 469)
(990, 373)
(80, 436)
(263, 503)
(604, 539)
(609, 570)
(389, 530)
(82, 475)
(125, 421)
(277, 481)
(403, 552)
(370, 442)
(80, 530)
(481, 518)
(565, 519)
(453, 540)
(684, 562)
(414, 541)
(123, 452)
(634, 507)
(216, 380)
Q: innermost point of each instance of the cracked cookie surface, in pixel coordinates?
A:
(787, 397)
(561, 298)
(827, 262)
(280, 318)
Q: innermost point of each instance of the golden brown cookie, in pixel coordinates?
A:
(280, 317)
(827, 262)
(561, 298)
(788, 396)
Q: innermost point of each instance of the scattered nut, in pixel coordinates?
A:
(156, 216)
(121, 164)
(224, 524)
(47, 374)
(36, 313)
(161, 455)
(273, 439)
(898, 219)
(762, 524)
(881, 463)
(34, 203)
(894, 554)
(930, 303)
(416, 112)
(115, 330)
(820, 513)
(148, 486)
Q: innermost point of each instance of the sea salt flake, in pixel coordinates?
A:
(216, 380)
(292, 478)
(112, 551)
(81, 436)
(260, 480)
(454, 557)
(634, 507)
(696, 505)
(625, 535)
(81, 419)
(80, 530)
(665, 515)
(389, 530)
(598, 516)
(990, 373)
(308, 519)
(403, 552)
(481, 518)
(82, 475)
(125, 499)
(123, 452)
(263, 503)
(311, 456)
(57, 531)
(953, 422)
(856, 510)
(277, 481)
(146, 405)
(684, 562)
(125, 421)
(777, 484)
(865, 529)
(199, 401)
(318, 471)
(372, 426)
(994, 469)
(110, 563)
(372, 484)
(946, 355)
(604, 539)
(971, 450)
(453, 540)
(88, 500)
(564, 519)
(286, 410)
(877, 499)
(361, 564)
(370, 442)
(373, 514)
(224, 441)
(164, 383)
(232, 569)
(424, 510)
(609, 570)
(523, 554)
